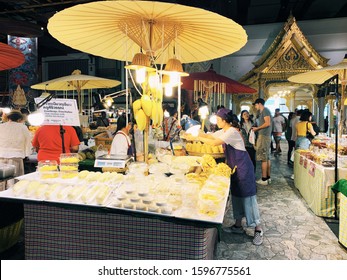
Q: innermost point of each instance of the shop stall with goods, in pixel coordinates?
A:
(314, 174)
(171, 208)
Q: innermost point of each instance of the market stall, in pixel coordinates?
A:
(313, 180)
(95, 215)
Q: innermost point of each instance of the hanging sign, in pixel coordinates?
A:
(59, 111)
(312, 169)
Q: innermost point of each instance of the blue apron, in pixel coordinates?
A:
(242, 182)
(130, 151)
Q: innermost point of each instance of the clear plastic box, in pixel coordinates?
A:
(68, 167)
(47, 165)
(69, 158)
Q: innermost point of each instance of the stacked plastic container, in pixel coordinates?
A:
(68, 165)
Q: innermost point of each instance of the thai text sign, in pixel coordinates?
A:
(60, 112)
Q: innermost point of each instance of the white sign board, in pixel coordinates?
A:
(60, 112)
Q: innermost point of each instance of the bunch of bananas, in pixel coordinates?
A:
(149, 105)
(198, 147)
(222, 169)
(197, 178)
(208, 162)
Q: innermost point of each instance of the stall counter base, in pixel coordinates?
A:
(343, 221)
(314, 183)
(56, 233)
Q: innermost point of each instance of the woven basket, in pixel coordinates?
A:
(102, 139)
(9, 235)
(114, 169)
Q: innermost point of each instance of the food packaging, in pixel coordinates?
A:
(6, 170)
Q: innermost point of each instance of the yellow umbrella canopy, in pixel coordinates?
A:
(321, 75)
(120, 29)
(76, 81)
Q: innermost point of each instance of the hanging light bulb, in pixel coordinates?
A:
(153, 80)
(109, 101)
(141, 64)
(140, 75)
(36, 118)
(213, 119)
(6, 110)
(166, 114)
(173, 72)
(168, 90)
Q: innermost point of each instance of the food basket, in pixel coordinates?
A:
(104, 140)
(9, 235)
(214, 155)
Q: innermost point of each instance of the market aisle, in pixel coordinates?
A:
(291, 230)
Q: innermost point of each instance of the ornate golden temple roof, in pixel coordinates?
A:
(290, 53)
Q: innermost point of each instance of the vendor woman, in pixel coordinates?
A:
(121, 143)
(242, 182)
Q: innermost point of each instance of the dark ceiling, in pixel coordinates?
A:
(27, 16)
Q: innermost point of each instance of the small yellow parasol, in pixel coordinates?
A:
(77, 81)
(321, 75)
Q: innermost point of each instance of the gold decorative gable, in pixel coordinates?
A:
(291, 60)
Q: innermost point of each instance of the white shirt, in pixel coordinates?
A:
(278, 121)
(120, 144)
(232, 137)
(15, 140)
(292, 124)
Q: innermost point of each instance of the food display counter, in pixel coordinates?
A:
(134, 217)
(314, 183)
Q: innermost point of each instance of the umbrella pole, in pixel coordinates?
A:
(145, 140)
(179, 102)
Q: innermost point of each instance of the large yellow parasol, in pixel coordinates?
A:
(77, 81)
(120, 29)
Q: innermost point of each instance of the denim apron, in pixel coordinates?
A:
(242, 182)
(130, 148)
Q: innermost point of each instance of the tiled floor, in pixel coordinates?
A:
(291, 230)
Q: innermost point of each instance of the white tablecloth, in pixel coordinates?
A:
(314, 183)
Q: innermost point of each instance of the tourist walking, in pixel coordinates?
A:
(278, 125)
(262, 148)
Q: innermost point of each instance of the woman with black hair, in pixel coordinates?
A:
(302, 127)
(121, 143)
(246, 124)
(242, 182)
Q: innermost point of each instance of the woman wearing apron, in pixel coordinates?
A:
(242, 182)
(121, 144)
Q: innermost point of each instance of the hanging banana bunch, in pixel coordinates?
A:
(149, 105)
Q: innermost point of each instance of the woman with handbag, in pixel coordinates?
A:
(246, 124)
(303, 127)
